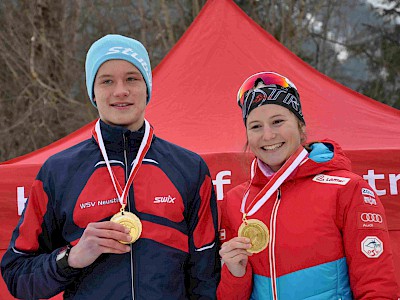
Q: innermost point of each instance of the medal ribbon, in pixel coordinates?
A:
(275, 182)
(122, 194)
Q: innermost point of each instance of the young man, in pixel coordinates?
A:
(123, 215)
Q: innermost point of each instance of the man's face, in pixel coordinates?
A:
(120, 93)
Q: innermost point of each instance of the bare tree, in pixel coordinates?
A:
(37, 98)
(379, 46)
(43, 45)
(42, 52)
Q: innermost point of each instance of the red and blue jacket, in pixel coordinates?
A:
(176, 256)
(328, 237)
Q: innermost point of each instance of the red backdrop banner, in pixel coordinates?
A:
(194, 106)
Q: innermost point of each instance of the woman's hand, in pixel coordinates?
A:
(235, 255)
(99, 238)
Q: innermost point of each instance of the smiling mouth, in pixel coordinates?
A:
(272, 147)
(121, 104)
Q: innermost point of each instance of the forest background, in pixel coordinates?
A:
(43, 44)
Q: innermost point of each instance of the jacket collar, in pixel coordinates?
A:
(118, 138)
(311, 168)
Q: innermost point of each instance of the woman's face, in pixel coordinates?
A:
(273, 134)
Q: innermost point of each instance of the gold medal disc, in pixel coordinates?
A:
(257, 232)
(131, 221)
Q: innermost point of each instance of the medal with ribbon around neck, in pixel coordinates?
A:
(126, 218)
(255, 229)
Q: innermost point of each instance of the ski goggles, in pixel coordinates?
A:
(268, 78)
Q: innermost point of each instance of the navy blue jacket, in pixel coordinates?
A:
(176, 256)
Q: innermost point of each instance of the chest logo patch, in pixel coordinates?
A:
(321, 178)
(167, 199)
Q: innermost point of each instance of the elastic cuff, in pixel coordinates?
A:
(239, 280)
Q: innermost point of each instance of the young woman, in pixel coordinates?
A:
(304, 226)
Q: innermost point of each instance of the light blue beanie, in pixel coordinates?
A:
(114, 46)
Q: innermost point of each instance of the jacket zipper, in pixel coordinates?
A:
(125, 138)
(271, 250)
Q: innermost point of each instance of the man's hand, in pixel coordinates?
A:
(99, 238)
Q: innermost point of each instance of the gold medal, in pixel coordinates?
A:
(127, 219)
(257, 232)
(131, 221)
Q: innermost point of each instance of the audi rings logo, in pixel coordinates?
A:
(371, 217)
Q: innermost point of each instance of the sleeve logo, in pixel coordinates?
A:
(372, 247)
(368, 220)
(369, 200)
(367, 192)
(369, 196)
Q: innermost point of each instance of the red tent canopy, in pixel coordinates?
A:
(194, 105)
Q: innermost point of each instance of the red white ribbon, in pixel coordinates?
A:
(275, 182)
(122, 194)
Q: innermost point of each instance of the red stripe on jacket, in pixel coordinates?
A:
(165, 235)
(31, 226)
(204, 232)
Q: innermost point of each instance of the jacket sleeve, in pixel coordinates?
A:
(235, 288)
(366, 242)
(29, 265)
(204, 265)
(231, 287)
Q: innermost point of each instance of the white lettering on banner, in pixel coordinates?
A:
(371, 178)
(219, 183)
(21, 200)
(393, 187)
